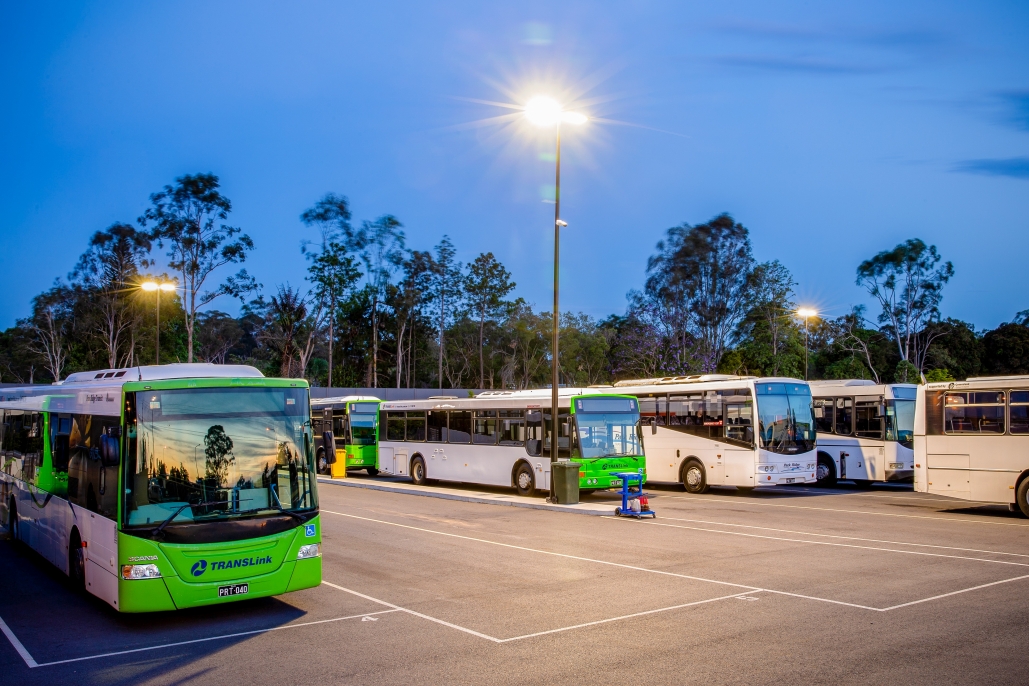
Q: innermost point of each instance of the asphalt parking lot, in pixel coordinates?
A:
(875, 585)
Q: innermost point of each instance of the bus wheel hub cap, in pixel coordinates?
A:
(523, 480)
(693, 476)
(822, 472)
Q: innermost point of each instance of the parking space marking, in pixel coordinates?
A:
(547, 552)
(397, 608)
(698, 578)
(741, 501)
(18, 647)
(32, 663)
(849, 538)
(839, 545)
(494, 639)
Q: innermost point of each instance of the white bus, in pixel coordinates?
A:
(724, 430)
(972, 440)
(502, 438)
(865, 431)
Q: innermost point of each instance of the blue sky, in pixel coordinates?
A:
(832, 132)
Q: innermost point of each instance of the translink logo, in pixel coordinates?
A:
(200, 566)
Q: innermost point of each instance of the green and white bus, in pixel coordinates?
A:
(502, 438)
(353, 422)
(158, 488)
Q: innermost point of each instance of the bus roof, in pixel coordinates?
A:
(195, 370)
(340, 400)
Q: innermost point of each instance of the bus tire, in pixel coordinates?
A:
(323, 464)
(418, 471)
(372, 471)
(694, 479)
(1022, 496)
(76, 562)
(825, 471)
(524, 479)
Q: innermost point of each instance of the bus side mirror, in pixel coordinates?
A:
(653, 425)
(329, 445)
(108, 450)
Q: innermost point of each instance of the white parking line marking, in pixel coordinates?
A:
(848, 538)
(635, 614)
(687, 576)
(210, 638)
(838, 545)
(494, 639)
(547, 552)
(742, 501)
(29, 661)
(397, 608)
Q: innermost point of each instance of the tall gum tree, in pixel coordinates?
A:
(187, 217)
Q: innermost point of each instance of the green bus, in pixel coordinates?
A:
(165, 487)
(353, 422)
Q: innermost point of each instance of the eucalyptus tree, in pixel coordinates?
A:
(382, 250)
(701, 273)
(108, 272)
(409, 298)
(446, 287)
(332, 271)
(486, 285)
(51, 326)
(908, 282)
(188, 218)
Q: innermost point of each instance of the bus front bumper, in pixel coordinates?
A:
(785, 479)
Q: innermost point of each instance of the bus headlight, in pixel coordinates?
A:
(766, 467)
(306, 551)
(811, 465)
(140, 572)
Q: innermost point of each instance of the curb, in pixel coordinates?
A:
(599, 511)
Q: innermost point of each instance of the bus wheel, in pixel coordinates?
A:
(826, 471)
(693, 477)
(525, 482)
(372, 471)
(418, 471)
(77, 562)
(1022, 495)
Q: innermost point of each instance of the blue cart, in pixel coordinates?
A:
(629, 478)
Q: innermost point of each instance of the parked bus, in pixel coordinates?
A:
(972, 440)
(156, 488)
(503, 438)
(724, 430)
(353, 421)
(865, 431)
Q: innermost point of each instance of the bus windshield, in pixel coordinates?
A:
(785, 418)
(217, 453)
(608, 427)
(362, 428)
(900, 422)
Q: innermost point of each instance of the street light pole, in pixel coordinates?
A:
(554, 373)
(154, 286)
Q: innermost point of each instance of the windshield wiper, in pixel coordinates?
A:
(159, 531)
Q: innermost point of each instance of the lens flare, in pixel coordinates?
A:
(543, 111)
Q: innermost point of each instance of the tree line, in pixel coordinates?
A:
(374, 312)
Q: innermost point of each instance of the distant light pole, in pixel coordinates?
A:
(544, 111)
(158, 287)
(806, 313)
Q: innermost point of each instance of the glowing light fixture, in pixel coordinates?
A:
(544, 111)
(151, 287)
(806, 312)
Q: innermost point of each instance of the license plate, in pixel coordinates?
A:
(616, 482)
(790, 481)
(235, 589)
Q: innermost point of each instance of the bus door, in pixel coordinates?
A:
(738, 433)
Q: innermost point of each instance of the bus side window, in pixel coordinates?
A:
(844, 416)
(534, 433)
(824, 415)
